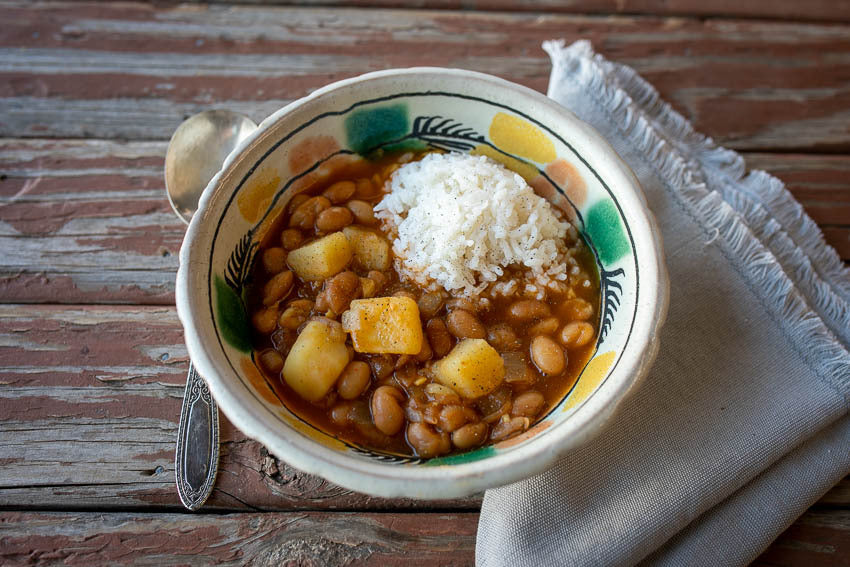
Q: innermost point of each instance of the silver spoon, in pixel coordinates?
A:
(195, 154)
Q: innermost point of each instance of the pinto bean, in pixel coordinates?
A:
(528, 404)
(508, 428)
(387, 414)
(465, 325)
(545, 327)
(271, 360)
(354, 380)
(365, 189)
(470, 435)
(451, 418)
(291, 238)
(277, 288)
(426, 441)
(548, 355)
(274, 260)
(333, 219)
(382, 366)
(296, 201)
(576, 309)
(340, 290)
(265, 320)
(304, 216)
(462, 303)
(438, 337)
(576, 334)
(362, 211)
(341, 414)
(528, 309)
(293, 317)
(340, 192)
(430, 303)
(503, 338)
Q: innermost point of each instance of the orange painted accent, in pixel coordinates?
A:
(590, 379)
(545, 189)
(520, 137)
(534, 430)
(569, 179)
(309, 151)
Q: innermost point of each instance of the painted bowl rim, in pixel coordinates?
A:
(449, 480)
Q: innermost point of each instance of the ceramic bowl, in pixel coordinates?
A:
(563, 158)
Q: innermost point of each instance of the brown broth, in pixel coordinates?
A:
(553, 388)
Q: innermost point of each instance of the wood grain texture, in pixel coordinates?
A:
(821, 536)
(298, 538)
(812, 10)
(134, 71)
(89, 402)
(316, 538)
(86, 221)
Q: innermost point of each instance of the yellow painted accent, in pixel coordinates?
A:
(590, 379)
(520, 137)
(526, 171)
(255, 197)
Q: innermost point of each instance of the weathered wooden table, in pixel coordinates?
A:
(92, 361)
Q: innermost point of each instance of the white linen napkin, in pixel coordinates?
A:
(743, 421)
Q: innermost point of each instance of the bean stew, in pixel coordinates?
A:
(394, 367)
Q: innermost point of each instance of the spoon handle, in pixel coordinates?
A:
(196, 462)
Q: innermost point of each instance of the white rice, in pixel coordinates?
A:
(459, 220)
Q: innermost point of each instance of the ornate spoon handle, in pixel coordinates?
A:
(196, 462)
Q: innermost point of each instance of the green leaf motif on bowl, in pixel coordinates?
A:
(462, 458)
(232, 317)
(605, 229)
(386, 127)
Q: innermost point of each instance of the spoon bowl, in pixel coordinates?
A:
(195, 153)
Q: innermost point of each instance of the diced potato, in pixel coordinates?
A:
(316, 359)
(321, 258)
(371, 250)
(384, 325)
(473, 368)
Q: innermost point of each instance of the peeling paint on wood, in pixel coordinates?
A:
(135, 71)
(297, 538)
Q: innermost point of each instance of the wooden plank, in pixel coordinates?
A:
(813, 10)
(86, 221)
(135, 70)
(821, 183)
(819, 538)
(90, 398)
(297, 538)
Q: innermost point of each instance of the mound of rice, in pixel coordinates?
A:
(459, 220)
